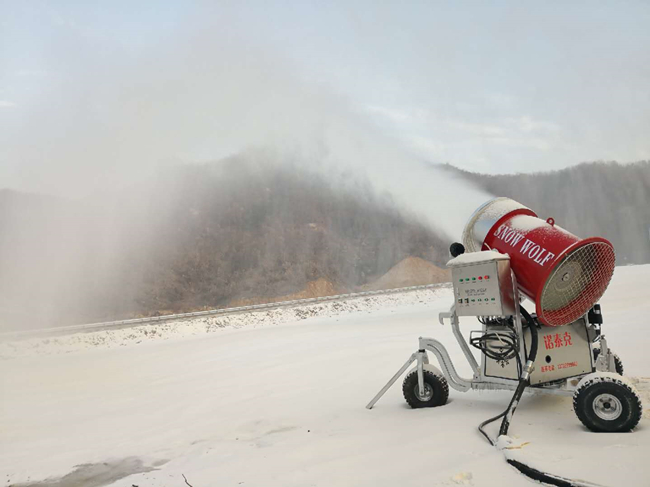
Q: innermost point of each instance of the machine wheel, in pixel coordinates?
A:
(617, 360)
(605, 403)
(436, 390)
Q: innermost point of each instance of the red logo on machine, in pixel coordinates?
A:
(557, 341)
(533, 251)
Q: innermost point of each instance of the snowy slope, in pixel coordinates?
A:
(267, 405)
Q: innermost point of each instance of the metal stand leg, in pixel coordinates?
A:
(412, 359)
(420, 373)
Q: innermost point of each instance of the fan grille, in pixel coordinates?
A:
(577, 283)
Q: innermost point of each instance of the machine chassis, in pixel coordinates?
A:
(565, 387)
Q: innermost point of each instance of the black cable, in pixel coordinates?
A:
(524, 381)
(534, 339)
(488, 421)
(501, 415)
(501, 347)
(515, 351)
(495, 320)
(545, 478)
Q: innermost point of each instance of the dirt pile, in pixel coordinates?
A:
(412, 271)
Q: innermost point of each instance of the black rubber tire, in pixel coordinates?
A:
(618, 363)
(630, 405)
(437, 384)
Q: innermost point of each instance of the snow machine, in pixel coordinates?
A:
(508, 253)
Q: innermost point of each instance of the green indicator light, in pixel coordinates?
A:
(473, 300)
(492, 299)
(473, 279)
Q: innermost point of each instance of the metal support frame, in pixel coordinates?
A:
(605, 361)
(464, 346)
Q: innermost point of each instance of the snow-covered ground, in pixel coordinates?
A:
(277, 399)
(120, 337)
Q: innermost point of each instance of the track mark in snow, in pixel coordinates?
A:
(280, 430)
(96, 474)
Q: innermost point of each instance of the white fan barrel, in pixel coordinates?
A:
(573, 358)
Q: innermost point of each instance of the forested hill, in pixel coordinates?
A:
(593, 199)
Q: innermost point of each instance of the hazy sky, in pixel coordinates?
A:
(92, 93)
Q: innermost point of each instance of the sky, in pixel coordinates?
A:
(94, 94)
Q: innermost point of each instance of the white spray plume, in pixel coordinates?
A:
(114, 118)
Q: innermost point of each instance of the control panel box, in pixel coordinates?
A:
(482, 284)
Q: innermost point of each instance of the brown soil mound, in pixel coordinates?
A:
(314, 289)
(411, 271)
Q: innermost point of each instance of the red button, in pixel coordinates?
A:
(487, 277)
(479, 278)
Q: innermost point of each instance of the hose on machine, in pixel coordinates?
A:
(524, 381)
